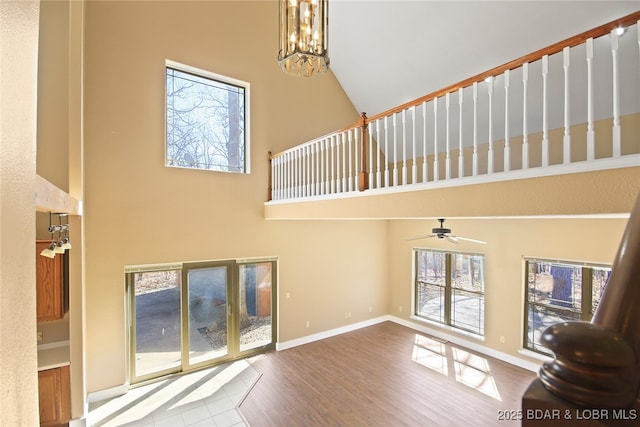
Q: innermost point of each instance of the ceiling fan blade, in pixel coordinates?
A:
(471, 240)
(421, 237)
(452, 239)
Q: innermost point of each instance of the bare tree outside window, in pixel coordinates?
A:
(558, 291)
(206, 122)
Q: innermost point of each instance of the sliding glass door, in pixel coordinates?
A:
(205, 311)
(187, 316)
(155, 321)
(255, 288)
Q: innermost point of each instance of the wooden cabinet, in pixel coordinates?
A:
(50, 285)
(54, 392)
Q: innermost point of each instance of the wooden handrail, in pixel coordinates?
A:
(361, 125)
(313, 141)
(534, 56)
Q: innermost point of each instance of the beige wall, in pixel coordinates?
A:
(18, 108)
(137, 211)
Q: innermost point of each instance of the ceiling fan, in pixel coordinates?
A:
(445, 233)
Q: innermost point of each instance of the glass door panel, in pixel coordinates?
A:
(156, 307)
(255, 305)
(207, 312)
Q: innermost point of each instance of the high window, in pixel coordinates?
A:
(207, 120)
(559, 291)
(449, 289)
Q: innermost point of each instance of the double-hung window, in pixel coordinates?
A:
(207, 120)
(449, 289)
(559, 291)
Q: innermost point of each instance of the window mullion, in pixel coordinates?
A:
(447, 289)
(587, 294)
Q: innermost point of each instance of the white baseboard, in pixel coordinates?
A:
(108, 393)
(513, 360)
(330, 333)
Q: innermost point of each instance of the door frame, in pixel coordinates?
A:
(233, 330)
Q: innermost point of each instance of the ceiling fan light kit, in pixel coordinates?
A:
(445, 233)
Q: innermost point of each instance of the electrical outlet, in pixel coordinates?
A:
(39, 336)
(287, 295)
(370, 309)
(308, 324)
(502, 339)
(400, 308)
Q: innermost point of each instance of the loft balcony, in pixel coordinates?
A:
(553, 133)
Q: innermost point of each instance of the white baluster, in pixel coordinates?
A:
(280, 185)
(436, 166)
(303, 171)
(332, 162)
(288, 173)
(322, 170)
(316, 190)
(338, 164)
(566, 139)
(300, 164)
(404, 147)
(357, 143)
(414, 164)
(345, 188)
(379, 149)
(447, 161)
(294, 177)
(545, 118)
(275, 181)
(310, 169)
(475, 129)
(424, 141)
(525, 121)
(616, 94)
(507, 147)
(490, 150)
(386, 153)
(350, 150)
(591, 144)
(460, 144)
(395, 150)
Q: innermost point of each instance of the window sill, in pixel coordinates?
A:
(533, 355)
(465, 334)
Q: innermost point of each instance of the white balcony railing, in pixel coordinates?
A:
(571, 107)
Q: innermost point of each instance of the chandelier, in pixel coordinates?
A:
(304, 37)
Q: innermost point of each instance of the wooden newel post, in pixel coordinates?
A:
(597, 364)
(269, 188)
(363, 176)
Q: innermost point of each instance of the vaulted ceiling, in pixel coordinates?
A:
(388, 52)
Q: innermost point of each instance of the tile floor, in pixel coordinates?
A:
(203, 398)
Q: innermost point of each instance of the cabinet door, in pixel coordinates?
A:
(54, 394)
(49, 285)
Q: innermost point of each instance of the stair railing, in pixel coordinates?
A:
(518, 120)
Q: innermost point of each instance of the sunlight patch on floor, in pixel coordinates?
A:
(430, 353)
(470, 369)
(209, 397)
(473, 371)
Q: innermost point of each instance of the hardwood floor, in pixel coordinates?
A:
(382, 375)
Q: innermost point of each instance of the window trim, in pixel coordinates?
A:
(586, 297)
(223, 79)
(448, 292)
